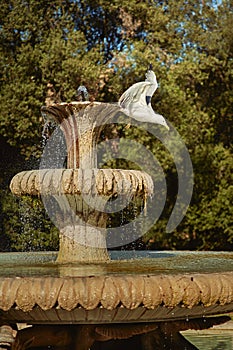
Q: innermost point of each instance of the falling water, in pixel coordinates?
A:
(34, 226)
(128, 234)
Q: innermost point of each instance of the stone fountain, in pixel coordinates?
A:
(82, 297)
(82, 226)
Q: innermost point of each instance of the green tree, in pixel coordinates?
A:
(107, 47)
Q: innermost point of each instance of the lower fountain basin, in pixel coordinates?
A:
(147, 287)
(39, 264)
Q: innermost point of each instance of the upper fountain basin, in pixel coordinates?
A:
(104, 182)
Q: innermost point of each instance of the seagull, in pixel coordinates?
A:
(136, 101)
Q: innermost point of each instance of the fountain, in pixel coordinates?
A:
(84, 297)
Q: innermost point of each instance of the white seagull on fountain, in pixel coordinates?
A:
(136, 101)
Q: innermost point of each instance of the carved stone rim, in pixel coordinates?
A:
(106, 182)
(111, 292)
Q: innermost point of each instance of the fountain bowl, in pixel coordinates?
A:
(147, 286)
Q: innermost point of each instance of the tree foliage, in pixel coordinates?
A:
(107, 47)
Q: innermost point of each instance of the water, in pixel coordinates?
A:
(123, 262)
(218, 341)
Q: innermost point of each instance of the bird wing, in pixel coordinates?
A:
(135, 93)
(151, 78)
(144, 114)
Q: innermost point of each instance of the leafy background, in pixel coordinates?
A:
(107, 46)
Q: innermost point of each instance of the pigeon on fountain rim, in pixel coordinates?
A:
(136, 101)
(82, 93)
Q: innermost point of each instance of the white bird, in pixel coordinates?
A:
(136, 101)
